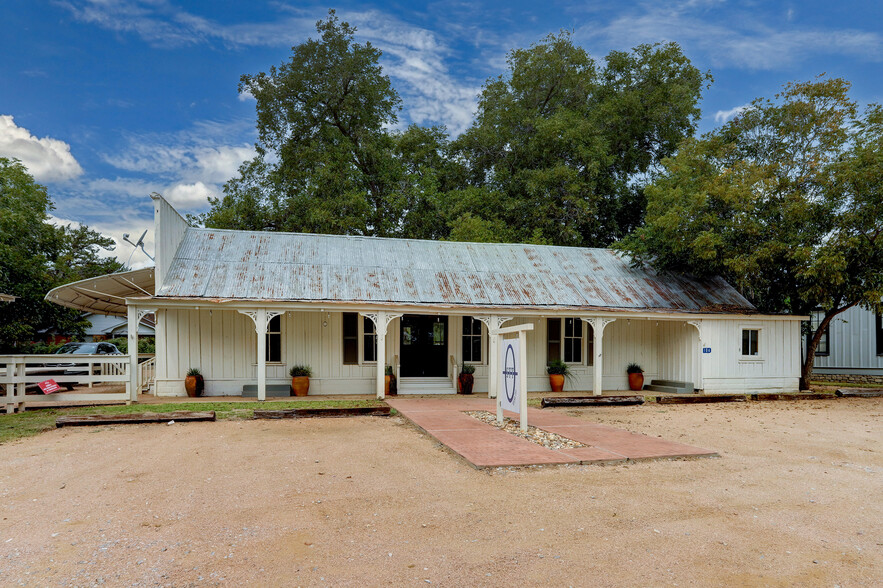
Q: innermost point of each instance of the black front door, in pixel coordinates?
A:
(424, 346)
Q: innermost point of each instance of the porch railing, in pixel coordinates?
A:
(21, 373)
(146, 374)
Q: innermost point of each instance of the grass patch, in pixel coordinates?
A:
(35, 421)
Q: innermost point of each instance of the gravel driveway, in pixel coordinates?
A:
(795, 499)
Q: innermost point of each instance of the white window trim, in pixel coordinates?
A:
(485, 342)
(361, 341)
(761, 345)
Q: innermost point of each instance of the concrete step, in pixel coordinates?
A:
(672, 386)
(667, 389)
(274, 390)
(672, 383)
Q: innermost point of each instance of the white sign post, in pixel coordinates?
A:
(512, 390)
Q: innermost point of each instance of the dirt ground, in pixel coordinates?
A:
(796, 498)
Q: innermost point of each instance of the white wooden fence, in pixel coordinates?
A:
(19, 373)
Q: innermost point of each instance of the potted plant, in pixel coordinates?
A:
(300, 379)
(194, 383)
(636, 377)
(557, 370)
(466, 378)
(391, 388)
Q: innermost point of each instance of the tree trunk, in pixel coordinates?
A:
(806, 369)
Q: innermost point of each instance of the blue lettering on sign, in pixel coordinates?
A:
(706, 350)
(509, 374)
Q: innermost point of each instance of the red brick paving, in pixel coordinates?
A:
(482, 445)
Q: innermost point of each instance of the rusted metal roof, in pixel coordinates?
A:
(231, 265)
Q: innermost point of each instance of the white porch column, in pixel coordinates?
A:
(701, 355)
(132, 315)
(261, 317)
(381, 322)
(493, 323)
(598, 323)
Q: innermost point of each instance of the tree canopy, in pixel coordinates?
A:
(36, 256)
(558, 151)
(785, 201)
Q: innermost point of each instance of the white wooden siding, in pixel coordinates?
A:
(853, 344)
(222, 344)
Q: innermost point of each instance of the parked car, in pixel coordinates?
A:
(71, 349)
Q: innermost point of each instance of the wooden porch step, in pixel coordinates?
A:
(134, 418)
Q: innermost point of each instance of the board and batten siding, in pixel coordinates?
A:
(222, 344)
(853, 345)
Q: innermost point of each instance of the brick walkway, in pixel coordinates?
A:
(485, 446)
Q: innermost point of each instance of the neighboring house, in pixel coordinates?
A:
(851, 350)
(244, 306)
(103, 327)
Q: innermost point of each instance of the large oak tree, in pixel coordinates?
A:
(785, 201)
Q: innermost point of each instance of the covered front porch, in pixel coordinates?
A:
(240, 347)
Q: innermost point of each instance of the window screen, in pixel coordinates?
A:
(553, 339)
(350, 338)
(274, 339)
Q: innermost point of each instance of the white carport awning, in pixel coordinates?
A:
(105, 294)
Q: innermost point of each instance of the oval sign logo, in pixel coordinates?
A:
(509, 374)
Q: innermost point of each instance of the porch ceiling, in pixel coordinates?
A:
(105, 294)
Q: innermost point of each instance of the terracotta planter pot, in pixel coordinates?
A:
(467, 381)
(194, 385)
(300, 385)
(390, 388)
(556, 382)
(636, 382)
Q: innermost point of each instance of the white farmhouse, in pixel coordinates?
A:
(244, 306)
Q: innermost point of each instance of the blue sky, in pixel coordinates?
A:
(108, 100)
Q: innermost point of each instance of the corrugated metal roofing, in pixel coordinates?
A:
(220, 264)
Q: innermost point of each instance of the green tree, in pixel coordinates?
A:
(324, 156)
(36, 256)
(785, 202)
(567, 144)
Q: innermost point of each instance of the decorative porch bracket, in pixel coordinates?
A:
(381, 320)
(598, 325)
(261, 318)
(134, 314)
(493, 323)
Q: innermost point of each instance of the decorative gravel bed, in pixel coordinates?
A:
(534, 435)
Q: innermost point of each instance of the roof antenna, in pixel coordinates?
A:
(140, 244)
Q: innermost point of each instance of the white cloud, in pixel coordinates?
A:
(722, 116)
(731, 37)
(122, 251)
(47, 159)
(413, 55)
(188, 195)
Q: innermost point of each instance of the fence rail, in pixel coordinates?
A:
(146, 374)
(18, 373)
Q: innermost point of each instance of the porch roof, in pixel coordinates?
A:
(104, 294)
(244, 265)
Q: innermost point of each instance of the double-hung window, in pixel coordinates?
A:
(369, 340)
(824, 346)
(471, 339)
(565, 339)
(751, 343)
